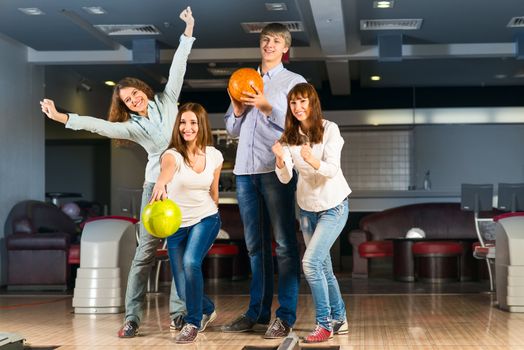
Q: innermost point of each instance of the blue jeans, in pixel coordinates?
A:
(187, 249)
(320, 230)
(140, 269)
(264, 200)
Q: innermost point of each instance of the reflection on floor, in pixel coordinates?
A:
(382, 315)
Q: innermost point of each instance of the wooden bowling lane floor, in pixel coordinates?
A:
(394, 321)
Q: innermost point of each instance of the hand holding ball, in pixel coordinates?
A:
(242, 80)
(162, 218)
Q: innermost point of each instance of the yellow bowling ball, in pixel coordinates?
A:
(162, 218)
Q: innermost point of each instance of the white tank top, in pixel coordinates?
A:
(191, 190)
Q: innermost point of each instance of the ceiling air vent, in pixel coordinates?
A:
(256, 27)
(516, 22)
(128, 29)
(390, 24)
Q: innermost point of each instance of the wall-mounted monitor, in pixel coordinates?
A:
(511, 197)
(477, 198)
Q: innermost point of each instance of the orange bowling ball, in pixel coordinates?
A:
(242, 79)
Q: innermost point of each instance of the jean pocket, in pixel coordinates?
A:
(339, 209)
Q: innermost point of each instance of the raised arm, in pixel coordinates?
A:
(187, 16)
(179, 63)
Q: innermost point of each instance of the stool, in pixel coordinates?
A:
(218, 263)
(437, 261)
(376, 249)
(73, 254)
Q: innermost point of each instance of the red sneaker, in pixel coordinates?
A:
(319, 335)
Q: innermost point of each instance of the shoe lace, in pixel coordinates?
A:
(187, 330)
(317, 332)
(277, 324)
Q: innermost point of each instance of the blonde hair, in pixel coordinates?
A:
(277, 29)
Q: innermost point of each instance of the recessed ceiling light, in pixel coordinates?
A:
(94, 10)
(276, 6)
(375, 77)
(500, 76)
(31, 11)
(383, 4)
(109, 83)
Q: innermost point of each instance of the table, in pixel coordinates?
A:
(56, 195)
(404, 262)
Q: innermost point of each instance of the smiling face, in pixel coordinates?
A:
(299, 106)
(134, 99)
(188, 126)
(272, 47)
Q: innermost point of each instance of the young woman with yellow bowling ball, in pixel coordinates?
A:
(189, 174)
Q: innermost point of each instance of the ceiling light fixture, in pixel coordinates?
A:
(31, 11)
(221, 71)
(383, 4)
(375, 77)
(276, 6)
(94, 10)
(109, 83)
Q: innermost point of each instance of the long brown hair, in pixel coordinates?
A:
(204, 137)
(118, 111)
(291, 134)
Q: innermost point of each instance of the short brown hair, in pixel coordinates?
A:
(277, 29)
(118, 111)
(204, 136)
(291, 135)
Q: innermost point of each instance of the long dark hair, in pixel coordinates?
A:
(118, 111)
(291, 134)
(204, 137)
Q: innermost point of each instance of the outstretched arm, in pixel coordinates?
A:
(49, 109)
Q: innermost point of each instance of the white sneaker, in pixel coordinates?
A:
(206, 319)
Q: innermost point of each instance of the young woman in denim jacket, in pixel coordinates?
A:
(138, 115)
(312, 146)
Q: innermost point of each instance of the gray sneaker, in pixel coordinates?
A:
(239, 325)
(340, 327)
(187, 335)
(177, 323)
(207, 319)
